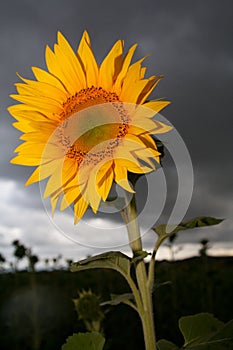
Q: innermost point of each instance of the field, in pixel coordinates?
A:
(37, 311)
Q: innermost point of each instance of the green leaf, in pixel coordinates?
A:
(84, 341)
(223, 338)
(166, 345)
(202, 332)
(201, 221)
(198, 327)
(205, 332)
(164, 231)
(116, 299)
(111, 260)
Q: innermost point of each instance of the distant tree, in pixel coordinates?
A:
(33, 260)
(204, 247)
(19, 252)
(69, 262)
(46, 261)
(56, 261)
(2, 261)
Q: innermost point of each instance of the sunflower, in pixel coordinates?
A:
(86, 126)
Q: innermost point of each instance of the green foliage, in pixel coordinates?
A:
(111, 260)
(208, 288)
(116, 299)
(195, 328)
(202, 332)
(166, 345)
(165, 231)
(84, 341)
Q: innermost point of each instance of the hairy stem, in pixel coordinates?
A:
(146, 313)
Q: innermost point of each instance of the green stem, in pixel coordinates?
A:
(146, 313)
(151, 272)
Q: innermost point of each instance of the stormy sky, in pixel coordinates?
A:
(190, 43)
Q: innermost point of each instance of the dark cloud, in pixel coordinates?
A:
(189, 42)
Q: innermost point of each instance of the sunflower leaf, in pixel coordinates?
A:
(84, 341)
(164, 231)
(116, 299)
(205, 332)
(202, 332)
(166, 345)
(111, 260)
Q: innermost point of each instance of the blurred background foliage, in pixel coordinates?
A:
(37, 309)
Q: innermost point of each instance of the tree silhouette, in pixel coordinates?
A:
(204, 247)
(21, 252)
(2, 261)
(32, 259)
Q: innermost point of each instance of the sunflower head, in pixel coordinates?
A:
(86, 126)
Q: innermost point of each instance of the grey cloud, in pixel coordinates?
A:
(189, 42)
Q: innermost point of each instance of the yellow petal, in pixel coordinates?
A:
(133, 167)
(148, 141)
(152, 82)
(53, 201)
(41, 104)
(121, 176)
(61, 177)
(161, 128)
(22, 111)
(92, 196)
(111, 66)
(43, 171)
(147, 125)
(69, 197)
(34, 136)
(45, 77)
(85, 39)
(71, 62)
(156, 105)
(35, 88)
(126, 153)
(142, 72)
(124, 69)
(105, 184)
(23, 126)
(133, 94)
(133, 75)
(88, 61)
(101, 169)
(54, 64)
(141, 150)
(80, 207)
(28, 148)
(28, 161)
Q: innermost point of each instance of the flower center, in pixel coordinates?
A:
(93, 122)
